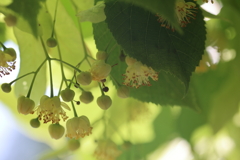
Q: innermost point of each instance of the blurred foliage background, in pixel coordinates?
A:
(140, 130)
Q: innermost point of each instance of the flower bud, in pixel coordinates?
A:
(25, 105)
(12, 53)
(130, 61)
(56, 131)
(6, 87)
(100, 70)
(101, 55)
(73, 144)
(78, 127)
(86, 97)
(67, 94)
(10, 20)
(35, 123)
(104, 102)
(84, 78)
(51, 42)
(123, 92)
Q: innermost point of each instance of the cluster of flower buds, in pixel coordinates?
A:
(98, 72)
(53, 110)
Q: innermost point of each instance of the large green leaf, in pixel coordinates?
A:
(163, 7)
(31, 55)
(141, 36)
(166, 91)
(28, 9)
(218, 93)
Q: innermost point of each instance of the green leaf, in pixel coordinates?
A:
(141, 36)
(166, 91)
(28, 9)
(31, 55)
(218, 93)
(162, 7)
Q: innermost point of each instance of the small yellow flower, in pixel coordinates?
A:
(78, 127)
(184, 11)
(100, 70)
(50, 109)
(138, 74)
(7, 63)
(106, 150)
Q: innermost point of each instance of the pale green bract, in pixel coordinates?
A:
(95, 14)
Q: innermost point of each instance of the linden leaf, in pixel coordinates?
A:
(166, 91)
(32, 55)
(163, 7)
(141, 36)
(28, 9)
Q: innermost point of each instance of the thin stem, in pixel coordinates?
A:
(84, 46)
(60, 88)
(54, 20)
(55, 59)
(50, 66)
(44, 48)
(81, 36)
(3, 46)
(33, 80)
(101, 88)
(61, 64)
(74, 110)
(20, 77)
(51, 78)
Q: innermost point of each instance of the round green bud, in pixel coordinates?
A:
(73, 144)
(35, 123)
(11, 52)
(84, 78)
(101, 55)
(86, 97)
(67, 94)
(6, 87)
(56, 131)
(10, 20)
(123, 92)
(51, 42)
(104, 102)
